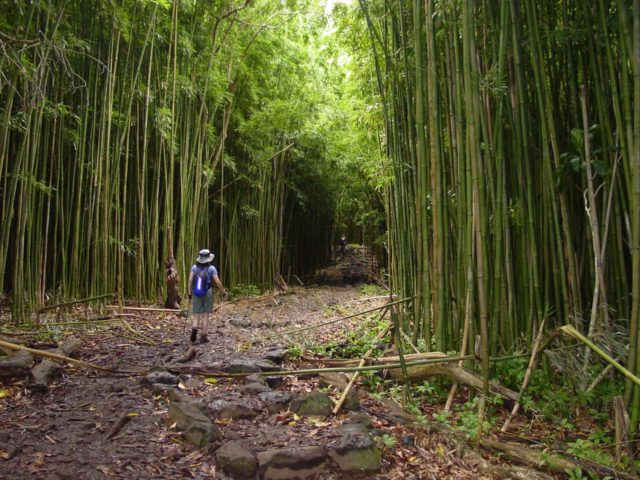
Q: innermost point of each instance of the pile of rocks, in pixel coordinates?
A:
(355, 265)
(350, 448)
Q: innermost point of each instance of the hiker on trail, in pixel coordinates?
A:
(201, 279)
(343, 244)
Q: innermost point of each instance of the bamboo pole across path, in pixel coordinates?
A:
(75, 302)
(204, 371)
(336, 320)
(62, 358)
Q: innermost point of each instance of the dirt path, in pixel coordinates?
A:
(62, 433)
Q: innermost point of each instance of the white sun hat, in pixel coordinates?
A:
(205, 256)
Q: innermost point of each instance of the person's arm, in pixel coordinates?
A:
(190, 285)
(218, 283)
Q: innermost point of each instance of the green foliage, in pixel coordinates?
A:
(356, 343)
(295, 352)
(372, 290)
(576, 474)
(240, 290)
(591, 449)
(387, 441)
(468, 420)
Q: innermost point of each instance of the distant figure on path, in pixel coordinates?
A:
(343, 244)
(201, 279)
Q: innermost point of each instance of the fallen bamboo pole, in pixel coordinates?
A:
(75, 302)
(336, 320)
(141, 337)
(62, 358)
(147, 309)
(368, 368)
(355, 376)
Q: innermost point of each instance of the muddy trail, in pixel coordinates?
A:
(93, 425)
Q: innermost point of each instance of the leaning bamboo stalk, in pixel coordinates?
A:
(411, 357)
(527, 376)
(601, 376)
(463, 350)
(599, 289)
(571, 331)
(355, 376)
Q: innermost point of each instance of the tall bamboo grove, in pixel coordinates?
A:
(128, 134)
(514, 132)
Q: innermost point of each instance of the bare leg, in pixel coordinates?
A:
(205, 323)
(194, 326)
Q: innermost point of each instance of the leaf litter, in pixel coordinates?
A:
(65, 426)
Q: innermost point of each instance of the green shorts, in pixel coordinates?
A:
(203, 304)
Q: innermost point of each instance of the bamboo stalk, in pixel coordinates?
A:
(355, 376)
(571, 331)
(527, 376)
(62, 358)
(75, 302)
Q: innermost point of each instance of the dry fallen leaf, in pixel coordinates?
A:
(104, 469)
(39, 460)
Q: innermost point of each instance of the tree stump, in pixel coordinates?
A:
(173, 297)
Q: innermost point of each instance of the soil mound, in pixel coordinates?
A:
(355, 265)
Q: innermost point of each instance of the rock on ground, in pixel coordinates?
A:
(236, 460)
(277, 355)
(289, 463)
(312, 404)
(253, 388)
(162, 378)
(234, 409)
(275, 401)
(355, 451)
(193, 423)
(249, 365)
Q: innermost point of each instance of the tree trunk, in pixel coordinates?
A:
(173, 296)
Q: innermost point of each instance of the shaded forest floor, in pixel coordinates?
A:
(62, 433)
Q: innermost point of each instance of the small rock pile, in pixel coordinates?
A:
(354, 266)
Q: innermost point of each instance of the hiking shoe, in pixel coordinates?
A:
(194, 334)
(204, 339)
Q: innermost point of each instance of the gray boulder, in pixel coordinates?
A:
(253, 389)
(355, 451)
(249, 365)
(289, 463)
(312, 404)
(159, 377)
(275, 401)
(233, 409)
(193, 423)
(236, 460)
(277, 355)
(255, 378)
